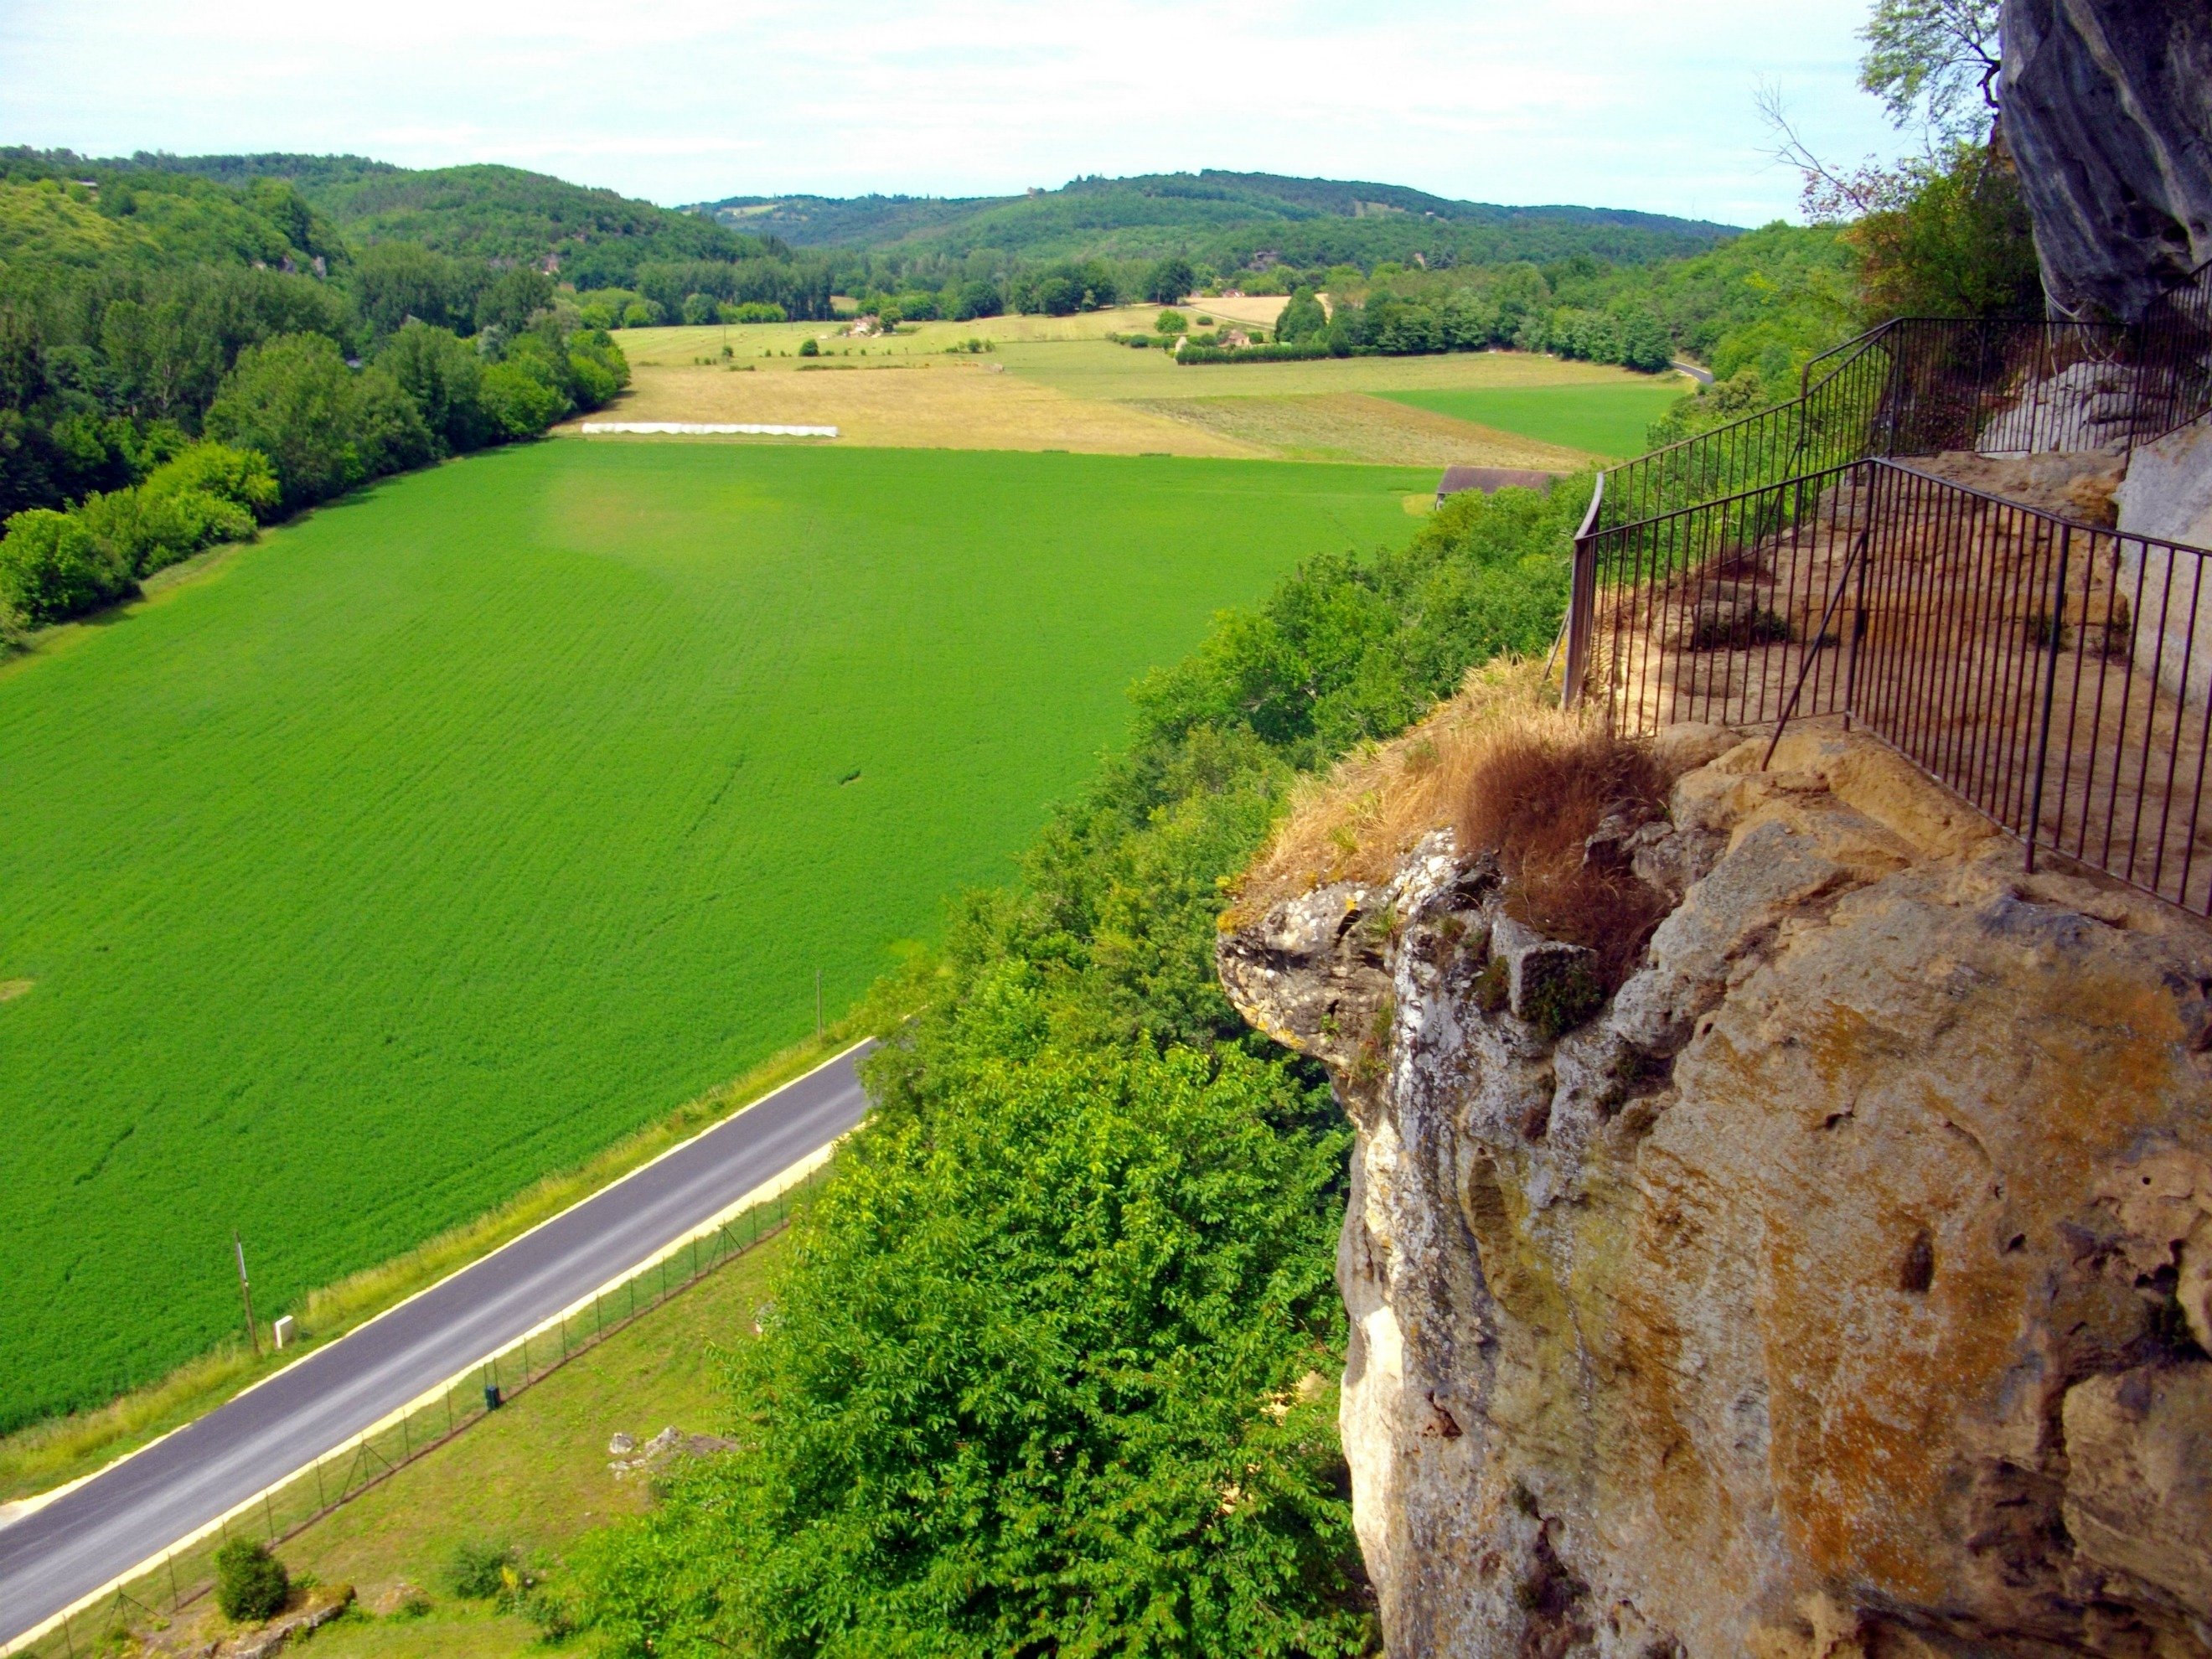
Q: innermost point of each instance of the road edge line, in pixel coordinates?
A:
(790, 1176)
(22, 1509)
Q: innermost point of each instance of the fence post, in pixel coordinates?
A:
(1582, 598)
(2057, 617)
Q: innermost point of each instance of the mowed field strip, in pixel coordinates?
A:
(460, 828)
(1055, 383)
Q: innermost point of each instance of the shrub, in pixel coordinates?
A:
(755, 311)
(54, 565)
(249, 1583)
(480, 1572)
(809, 347)
(1732, 630)
(641, 313)
(1169, 322)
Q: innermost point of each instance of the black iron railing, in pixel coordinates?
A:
(1920, 385)
(2057, 676)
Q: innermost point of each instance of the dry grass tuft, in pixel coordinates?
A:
(1538, 797)
(1507, 770)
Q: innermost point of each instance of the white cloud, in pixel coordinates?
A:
(1610, 102)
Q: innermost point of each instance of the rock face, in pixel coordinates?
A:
(2108, 110)
(1838, 1288)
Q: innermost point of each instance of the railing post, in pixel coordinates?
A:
(2058, 617)
(1582, 601)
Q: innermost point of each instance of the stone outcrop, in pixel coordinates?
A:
(2108, 111)
(1838, 1287)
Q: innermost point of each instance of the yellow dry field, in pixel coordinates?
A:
(966, 403)
(1257, 308)
(749, 342)
(1055, 383)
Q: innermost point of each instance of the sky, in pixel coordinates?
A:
(1648, 104)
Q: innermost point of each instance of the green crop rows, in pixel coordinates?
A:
(449, 834)
(1605, 420)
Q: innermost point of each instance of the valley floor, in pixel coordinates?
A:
(1057, 383)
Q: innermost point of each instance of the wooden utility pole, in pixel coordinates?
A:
(246, 1291)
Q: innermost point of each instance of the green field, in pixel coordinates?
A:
(453, 831)
(1607, 420)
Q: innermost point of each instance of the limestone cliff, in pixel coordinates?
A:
(1836, 1287)
(2108, 111)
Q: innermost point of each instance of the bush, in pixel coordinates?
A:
(753, 311)
(1169, 322)
(809, 347)
(520, 404)
(249, 1583)
(641, 313)
(481, 1571)
(54, 565)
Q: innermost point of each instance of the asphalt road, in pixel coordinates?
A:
(138, 1507)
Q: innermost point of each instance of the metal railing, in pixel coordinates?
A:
(1920, 385)
(1831, 420)
(183, 1575)
(2057, 676)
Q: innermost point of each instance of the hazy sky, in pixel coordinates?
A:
(1620, 103)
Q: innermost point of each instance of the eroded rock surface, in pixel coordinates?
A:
(2108, 111)
(1838, 1288)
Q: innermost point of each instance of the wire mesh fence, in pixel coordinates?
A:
(182, 1575)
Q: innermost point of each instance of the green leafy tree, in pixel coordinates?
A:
(1952, 238)
(1935, 63)
(514, 299)
(520, 404)
(288, 400)
(1302, 319)
(1169, 281)
(445, 377)
(323, 427)
(700, 308)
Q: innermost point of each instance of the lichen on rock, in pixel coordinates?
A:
(1839, 1286)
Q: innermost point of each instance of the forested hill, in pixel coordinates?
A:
(1227, 220)
(482, 211)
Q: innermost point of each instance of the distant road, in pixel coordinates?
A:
(1702, 376)
(138, 1507)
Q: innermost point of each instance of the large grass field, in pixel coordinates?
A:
(449, 834)
(1604, 420)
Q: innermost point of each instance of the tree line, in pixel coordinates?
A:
(157, 398)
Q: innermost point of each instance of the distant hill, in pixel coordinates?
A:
(484, 211)
(1229, 218)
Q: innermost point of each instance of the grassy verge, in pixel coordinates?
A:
(531, 1477)
(64, 1449)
